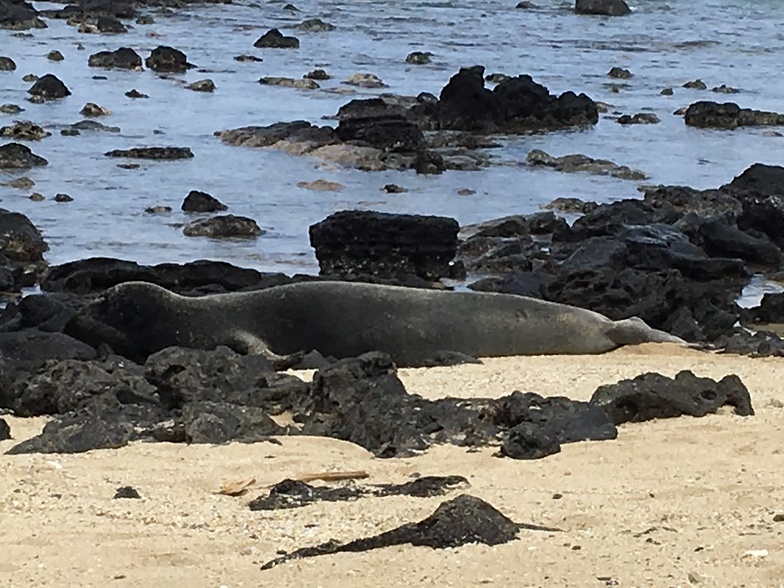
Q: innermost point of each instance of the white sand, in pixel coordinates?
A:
(675, 502)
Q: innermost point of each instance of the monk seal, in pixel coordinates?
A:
(346, 319)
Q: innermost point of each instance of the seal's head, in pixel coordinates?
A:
(121, 318)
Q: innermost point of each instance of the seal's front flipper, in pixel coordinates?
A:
(634, 330)
(249, 344)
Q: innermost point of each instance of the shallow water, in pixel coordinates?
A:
(731, 42)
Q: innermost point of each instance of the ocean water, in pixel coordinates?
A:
(664, 44)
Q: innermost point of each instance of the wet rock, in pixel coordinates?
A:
(20, 240)
(571, 205)
(93, 275)
(99, 24)
(202, 86)
(759, 191)
(23, 183)
(463, 520)
(394, 189)
(18, 16)
(35, 345)
(760, 179)
(55, 56)
(602, 7)
(225, 226)
(24, 131)
(10, 109)
(770, 310)
(164, 59)
(274, 39)
(197, 201)
(247, 58)
(92, 109)
(297, 132)
(515, 105)
(317, 74)
(315, 25)
(582, 163)
(373, 243)
(385, 131)
(289, 493)
(135, 94)
(521, 283)
(49, 87)
(92, 126)
(158, 209)
(184, 376)
(641, 118)
(759, 343)
(693, 310)
(122, 58)
(221, 422)
(365, 80)
(145, 19)
(667, 92)
(159, 153)
(7, 64)
(708, 204)
(37, 197)
(30, 78)
(724, 89)
(418, 58)
(729, 115)
(5, 430)
(321, 186)
(619, 73)
(722, 240)
(62, 197)
(300, 84)
(695, 85)
(128, 492)
(653, 396)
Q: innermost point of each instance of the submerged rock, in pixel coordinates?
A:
(162, 153)
(583, 163)
(224, 227)
(24, 131)
(602, 7)
(315, 25)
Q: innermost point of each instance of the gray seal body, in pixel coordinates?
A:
(346, 319)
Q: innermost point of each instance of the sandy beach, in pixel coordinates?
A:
(675, 502)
